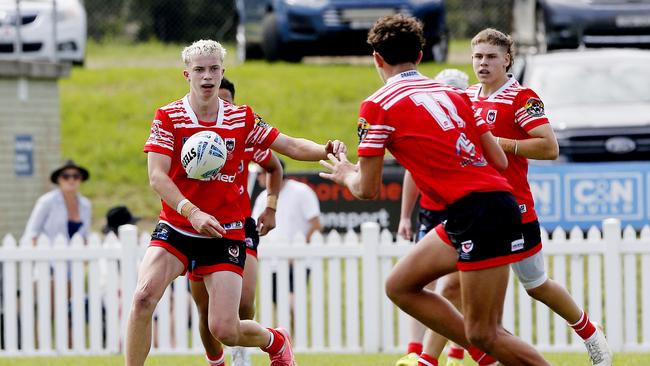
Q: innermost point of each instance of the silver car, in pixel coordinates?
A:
(598, 101)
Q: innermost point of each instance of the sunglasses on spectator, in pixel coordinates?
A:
(75, 176)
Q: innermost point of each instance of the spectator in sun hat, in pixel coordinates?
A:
(63, 210)
(116, 217)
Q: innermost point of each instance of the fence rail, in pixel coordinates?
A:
(72, 298)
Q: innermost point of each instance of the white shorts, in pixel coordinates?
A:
(531, 271)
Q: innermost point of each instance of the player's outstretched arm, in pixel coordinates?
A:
(266, 220)
(541, 146)
(306, 150)
(409, 196)
(158, 168)
(493, 152)
(362, 179)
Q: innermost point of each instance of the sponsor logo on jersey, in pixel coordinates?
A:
(466, 150)
(219, 176)
(235, 225)
(534, 107)
(517, 245)
(362, 128)
(259, 122)
(492, 116)
(233, 250)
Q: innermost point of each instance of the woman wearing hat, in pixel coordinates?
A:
(62, 211)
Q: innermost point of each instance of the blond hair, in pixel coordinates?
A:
(203, 47)
(496, 38)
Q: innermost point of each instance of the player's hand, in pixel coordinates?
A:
(207, 224)
(340, 167)
(266, 221)
(404, 228)
(335, 147)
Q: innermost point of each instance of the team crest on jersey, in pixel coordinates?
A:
(467, 246)
(362, 128)
(230, 146)
(492, 116)
(233, 250)
(534, 107)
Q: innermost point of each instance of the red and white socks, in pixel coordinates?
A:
(584, 327)
(455, 352)
(414, 347)
(427, 360)
(276, 344)
(218, 360)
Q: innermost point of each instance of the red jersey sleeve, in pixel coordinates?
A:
(161, 137)
(262, 157)
(262, 134)
(529, 110)
(373, 131)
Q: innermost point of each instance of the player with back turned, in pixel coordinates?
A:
(433, 132)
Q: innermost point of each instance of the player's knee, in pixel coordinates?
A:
(393, 289)
(226, 332)
(451, 291)
(144, 302)
(482, 337)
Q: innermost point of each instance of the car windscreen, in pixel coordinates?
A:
(593, 81)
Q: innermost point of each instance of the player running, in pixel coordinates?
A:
(201, 226)
(431, 130)
(430, 214)
(266, 222)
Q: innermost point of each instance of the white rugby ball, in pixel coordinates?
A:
(203, 155)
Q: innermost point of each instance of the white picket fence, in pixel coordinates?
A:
(338, 303)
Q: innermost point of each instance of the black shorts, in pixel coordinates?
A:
(532, 237)
(201, 256)
(252, 236)
(428, 220)
(485, 229)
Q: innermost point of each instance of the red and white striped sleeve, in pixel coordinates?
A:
(262, 134)
(373, 131)
(161, 137)
(529, 110)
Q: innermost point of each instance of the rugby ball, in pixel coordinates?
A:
(203, 155)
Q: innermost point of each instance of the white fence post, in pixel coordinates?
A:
(613, 284)
(128, 235)
(10, 306)
(371, 286)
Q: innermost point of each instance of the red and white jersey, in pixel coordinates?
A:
(258, 156)
(240, 128)
(430, 204)
(433, 132)
(513, 111)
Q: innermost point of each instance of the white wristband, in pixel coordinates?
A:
(180, 205)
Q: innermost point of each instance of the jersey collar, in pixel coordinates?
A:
(511, 80)
(192, 115)
(406, 75)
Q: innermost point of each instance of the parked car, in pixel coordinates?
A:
(598, 101)
(560, 24)
(36, 30)
(290, 29)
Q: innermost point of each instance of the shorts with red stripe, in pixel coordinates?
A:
(485, 229)
(201, 256)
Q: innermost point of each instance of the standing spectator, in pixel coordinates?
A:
(63, 210)
(298, 209)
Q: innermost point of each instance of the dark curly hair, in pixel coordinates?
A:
(397, 38)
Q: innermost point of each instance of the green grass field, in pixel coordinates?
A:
(557, 359)
(107, 108)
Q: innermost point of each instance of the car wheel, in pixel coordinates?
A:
(245, 50)
(541, 42)
(436, 51)
(272, 46)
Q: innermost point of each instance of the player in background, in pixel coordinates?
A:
(201, 225)
(433, 132)
(266, 222)
(431, 213)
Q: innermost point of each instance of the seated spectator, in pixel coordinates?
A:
(63, 210)
(116, 217)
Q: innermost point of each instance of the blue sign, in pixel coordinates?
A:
(584, 194)
(24, 156)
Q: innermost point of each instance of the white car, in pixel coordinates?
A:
(598, 101)
(37, 31)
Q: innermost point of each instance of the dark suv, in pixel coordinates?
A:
(290, 29)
